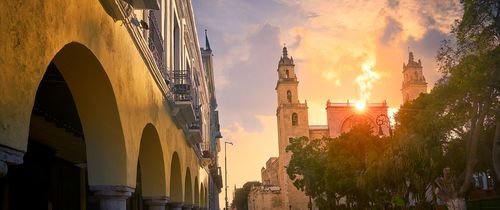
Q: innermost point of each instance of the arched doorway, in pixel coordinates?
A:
(151, 180)
(202, 196)
(176, 192)
(74, 123)
(188, 196)
(196, 192)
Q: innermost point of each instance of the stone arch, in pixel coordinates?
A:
(176, 192)
(289, 96)
(352, 120)
(188, 185)
(205, 195)
(196, 191)
(152, 164)
(100, 119)
(295, 119)
(202, 196)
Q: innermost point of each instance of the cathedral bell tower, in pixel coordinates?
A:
(413, 79)
(292, 119)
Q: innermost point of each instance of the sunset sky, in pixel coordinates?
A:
(330, 41)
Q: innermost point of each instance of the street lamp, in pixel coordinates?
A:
(382, 119)
(225, 169)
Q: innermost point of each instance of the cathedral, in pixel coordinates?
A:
(277, 191)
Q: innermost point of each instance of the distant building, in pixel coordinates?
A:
(413, 79)
(278, 191)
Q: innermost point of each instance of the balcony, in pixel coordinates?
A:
(217, 177)
(144, 4)
(155, 43)
(194, 129)
(185, 98)
(207, 150)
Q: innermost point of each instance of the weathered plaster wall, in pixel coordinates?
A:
(32, 32)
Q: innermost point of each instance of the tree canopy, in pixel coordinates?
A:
(456, 125)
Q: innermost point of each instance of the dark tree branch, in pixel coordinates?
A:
(496, 150)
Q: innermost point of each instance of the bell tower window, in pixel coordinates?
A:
(289, 96)
(287, 73)
(295, 119)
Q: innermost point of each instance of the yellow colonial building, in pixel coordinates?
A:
(106, 104)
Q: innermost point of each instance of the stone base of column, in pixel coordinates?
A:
(156, 203)
(112, 197)
(175, 205)
(187, 207)
(9, 156)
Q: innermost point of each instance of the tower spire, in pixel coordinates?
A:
(207, 43)
(285, 51)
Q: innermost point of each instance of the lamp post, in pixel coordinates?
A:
(225, 170)
(383, 119)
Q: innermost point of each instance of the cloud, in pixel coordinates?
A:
(329, 40)
(393, 3)
(425, 49)
(392, 30)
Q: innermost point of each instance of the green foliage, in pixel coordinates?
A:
(453, 126)
(329, 169)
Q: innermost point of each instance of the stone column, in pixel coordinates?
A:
(156, 203)
(112, 197)
(187, 207)
(9, 156)
(175, 205)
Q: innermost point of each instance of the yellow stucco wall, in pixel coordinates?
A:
(32, 32)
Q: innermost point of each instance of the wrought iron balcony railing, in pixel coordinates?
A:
(207, 150)
(182, 87)
(156, 44)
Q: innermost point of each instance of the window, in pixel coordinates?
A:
(289, 96)
(287, 74)
(295, 119)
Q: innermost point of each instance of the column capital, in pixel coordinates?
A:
(175, 204)
(112, 197)
(9, 156)
(187, 207)
(112, 191)
(156, 200)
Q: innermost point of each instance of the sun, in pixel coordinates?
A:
(360, 106)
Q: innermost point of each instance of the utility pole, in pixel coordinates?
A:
(225, 170)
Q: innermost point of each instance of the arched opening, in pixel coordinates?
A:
(196, 191)
(74, 123)
(175, 179)
(151, 179)
(188, 196)
(287, 73)
(354, 120)
(289, 96)
(202, 196)
(177, 45)
(205, 195)
(295, 119)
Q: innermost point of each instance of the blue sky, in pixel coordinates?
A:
(330, 40)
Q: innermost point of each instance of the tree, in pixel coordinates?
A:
(472, 68)
(306, 166)
(329, 169)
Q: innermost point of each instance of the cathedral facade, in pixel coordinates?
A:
(278, 191)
